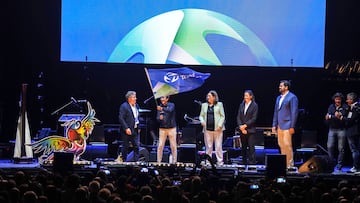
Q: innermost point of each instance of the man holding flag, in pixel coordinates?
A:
(166, 82)
(167, 120)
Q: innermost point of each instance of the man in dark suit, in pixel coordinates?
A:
(352, 123)
(129, 122)
(246, 121)
(284, 120)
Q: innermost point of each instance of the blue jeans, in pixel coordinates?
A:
(353, 140)
(340, 136)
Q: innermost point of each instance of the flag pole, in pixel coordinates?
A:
(148, 78)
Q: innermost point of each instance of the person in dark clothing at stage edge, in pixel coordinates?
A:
(284, 120)
(246, 121)
(352, 122)
(129, 123)
(336, 130)
(167, 120)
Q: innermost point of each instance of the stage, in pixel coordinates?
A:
(309, 162)
(227, 172)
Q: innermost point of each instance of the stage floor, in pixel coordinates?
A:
(97, 157)
(227, 171)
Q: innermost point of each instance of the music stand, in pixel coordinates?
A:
(61, 108)
(67, 117)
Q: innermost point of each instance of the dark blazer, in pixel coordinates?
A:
(168, 112)
(249, 118)
(352, 120)
(286, 115)
(126, 116)
(334, 122)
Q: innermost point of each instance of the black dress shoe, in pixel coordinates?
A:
(252, 163)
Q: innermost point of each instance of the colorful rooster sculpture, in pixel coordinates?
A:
(74, 140)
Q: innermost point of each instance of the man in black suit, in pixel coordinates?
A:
(129, 122)
(352, 123)
(246, 121)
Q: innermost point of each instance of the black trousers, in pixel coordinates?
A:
(134, 140)
(248, 148)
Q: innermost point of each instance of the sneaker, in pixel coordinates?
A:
(292, 169)
(353, 170)
(220, 164)
(338, 167)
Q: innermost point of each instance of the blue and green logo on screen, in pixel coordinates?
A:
(179, 37)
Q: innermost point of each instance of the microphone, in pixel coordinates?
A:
(73, 100)
(148, 99)
(82, 100)
(196, 101)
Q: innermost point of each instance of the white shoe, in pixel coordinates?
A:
(119, 159)
(353, 170)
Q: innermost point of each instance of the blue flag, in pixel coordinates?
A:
(170, 81)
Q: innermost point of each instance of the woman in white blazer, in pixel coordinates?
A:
(212, 118)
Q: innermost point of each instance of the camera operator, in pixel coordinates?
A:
(351, 119)
(337, 130)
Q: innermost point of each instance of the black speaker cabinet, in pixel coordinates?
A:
(275, 165)
(165, 157)
(317, 164)
(94, 151)
(187, 153)
(143, 155)
(63, 162)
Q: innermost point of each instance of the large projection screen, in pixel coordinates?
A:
(265, 33)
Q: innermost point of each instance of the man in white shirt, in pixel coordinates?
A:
(129, 123)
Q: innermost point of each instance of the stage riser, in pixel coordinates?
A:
(189, 154)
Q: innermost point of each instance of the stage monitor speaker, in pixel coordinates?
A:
(63, 162)
(165, 157)
(94, 151)
(317, 164)
(187, 153)
(275, 165)
(143, 155)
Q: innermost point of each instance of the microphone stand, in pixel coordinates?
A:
(61, 108)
